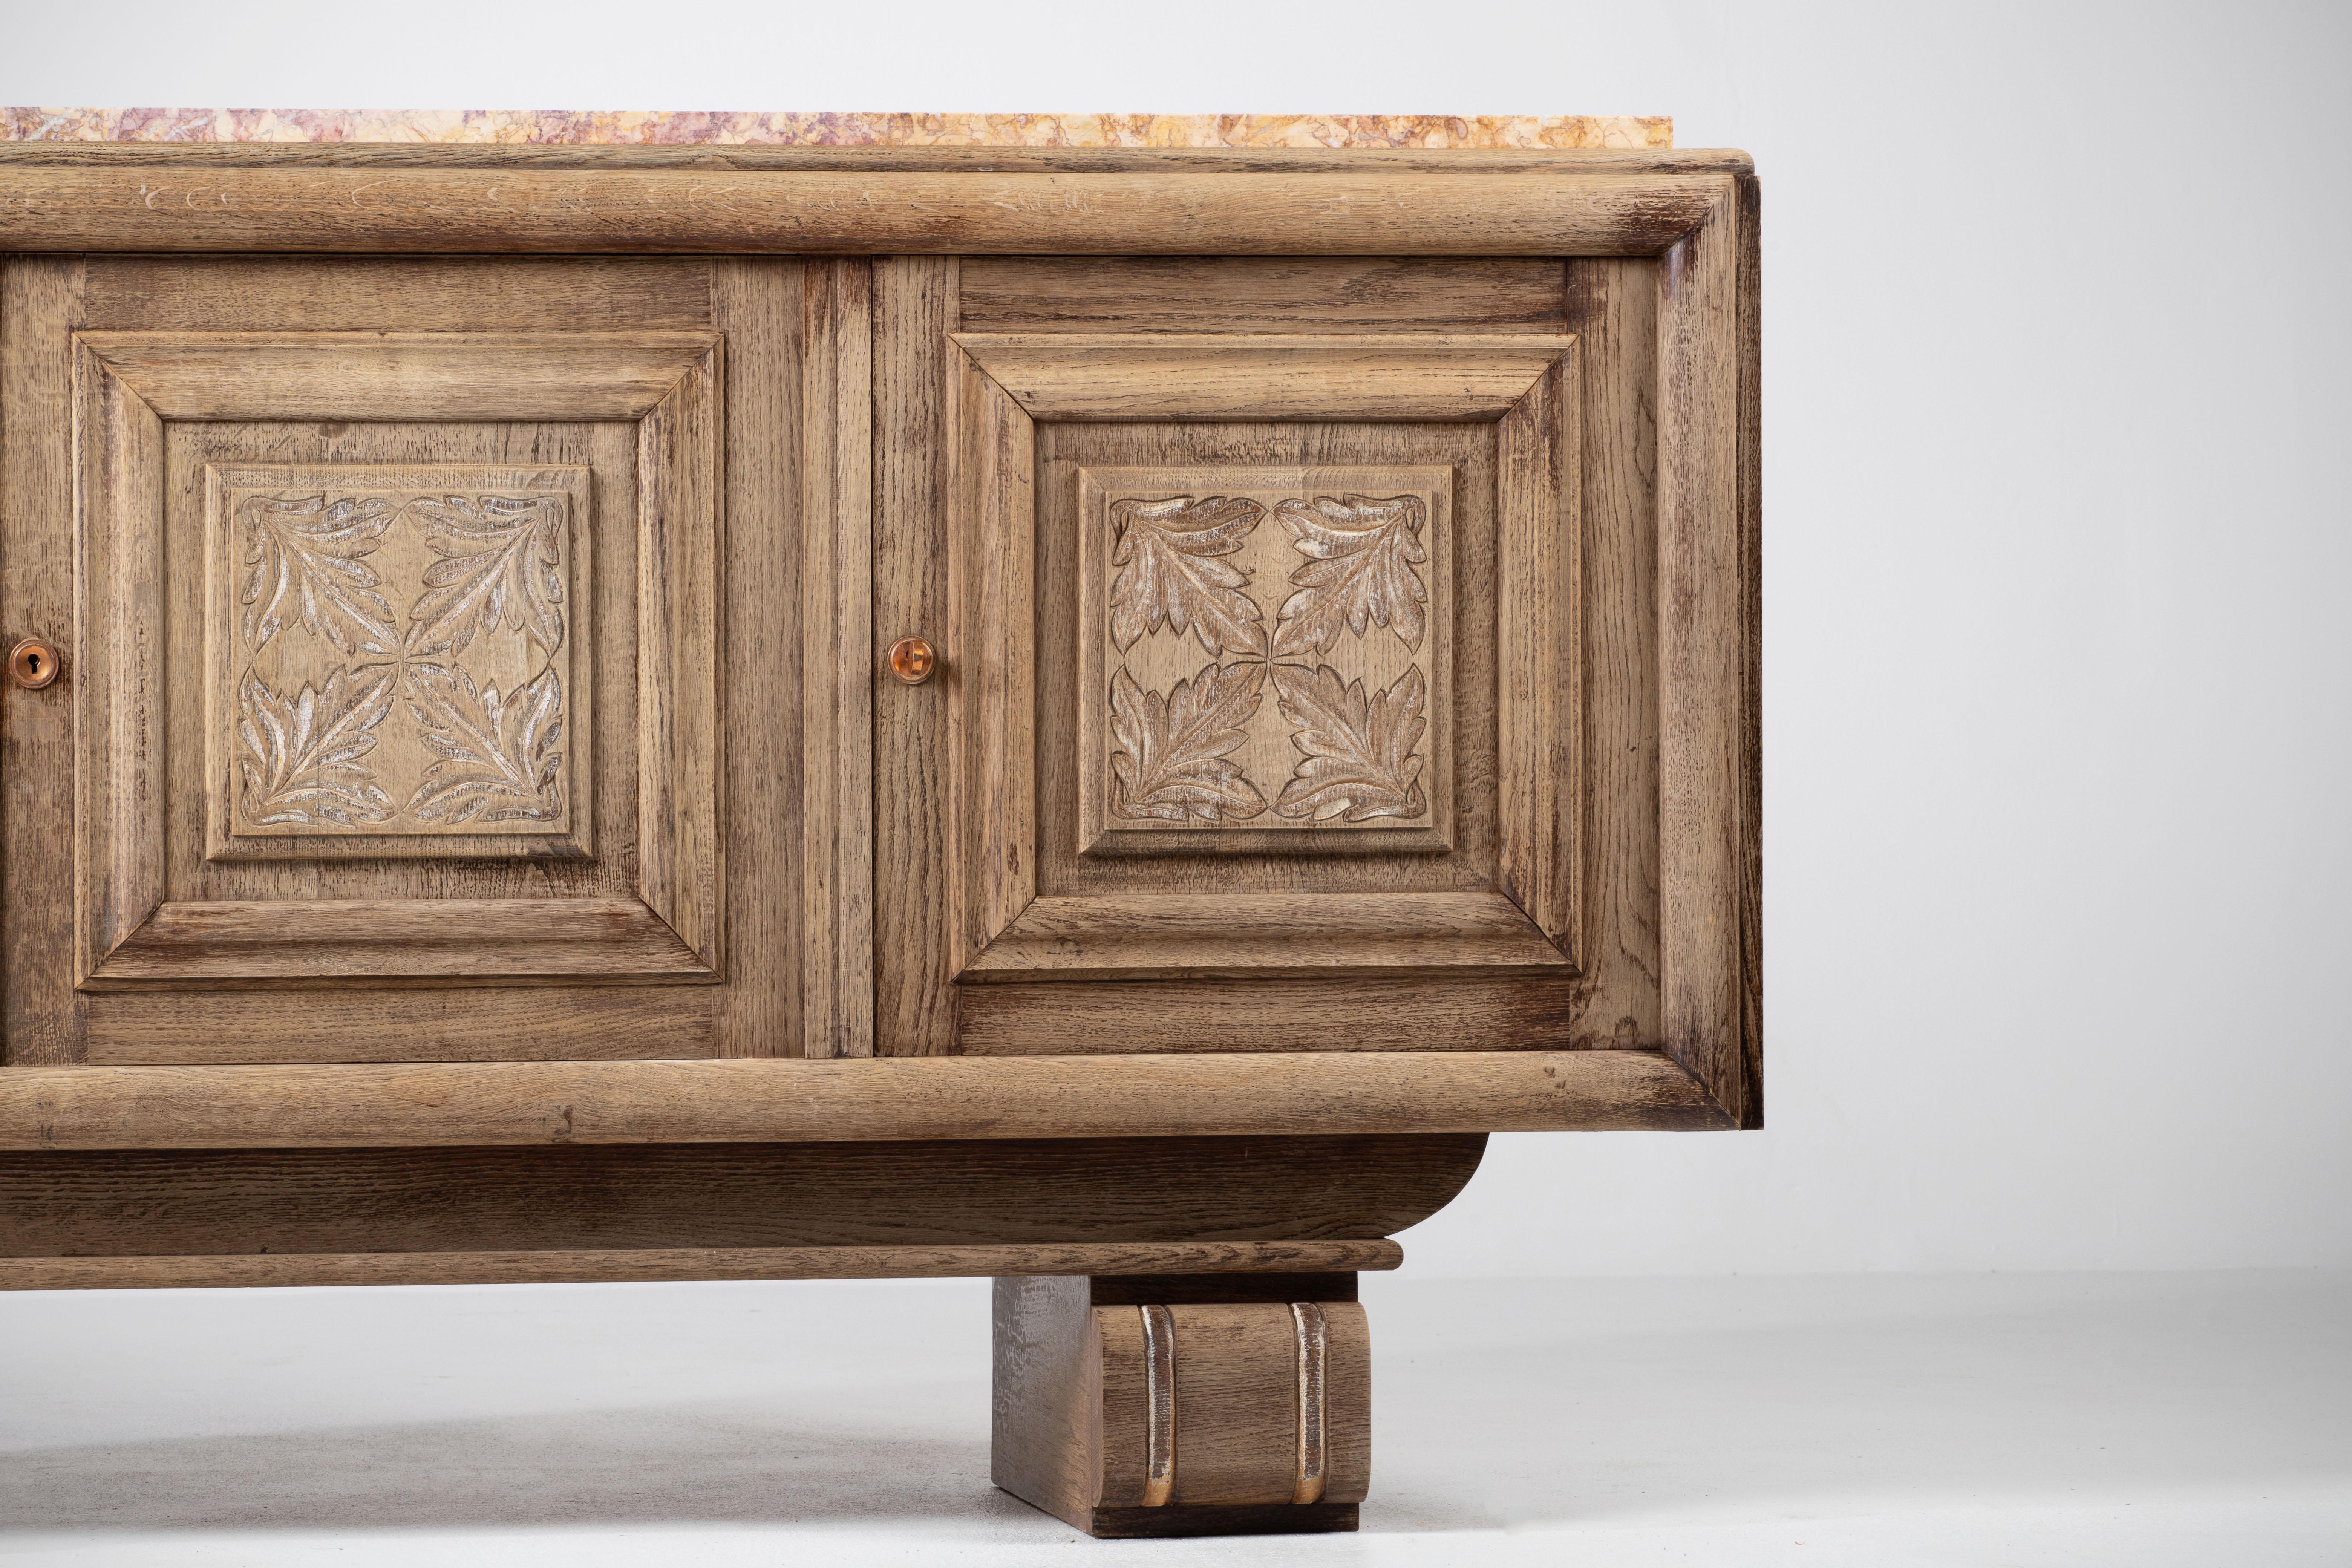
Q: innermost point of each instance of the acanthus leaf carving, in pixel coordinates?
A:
(312, 549)
(302, 762)
(1364, 550)
(1357, 759)
(499, 760)
(1171, 571)
(1174, 761)
(501, 561)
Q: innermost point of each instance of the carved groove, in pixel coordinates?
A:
(1314, 1356)
(1160, 1406)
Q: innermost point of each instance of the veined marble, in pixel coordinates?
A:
(616, 127)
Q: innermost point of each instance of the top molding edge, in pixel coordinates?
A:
(1333, 203)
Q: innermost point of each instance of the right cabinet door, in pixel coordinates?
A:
(1297, 655)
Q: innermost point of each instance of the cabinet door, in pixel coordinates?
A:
(427, 657)
(1271, 704)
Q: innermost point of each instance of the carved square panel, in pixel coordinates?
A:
(1266, 659)
(396, 662)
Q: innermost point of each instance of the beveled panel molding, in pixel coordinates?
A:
(127, 386)
(1524, 384)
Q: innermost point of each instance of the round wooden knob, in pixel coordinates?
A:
(33, 664)
(912, 662)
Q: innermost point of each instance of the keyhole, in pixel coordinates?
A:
(34, 664)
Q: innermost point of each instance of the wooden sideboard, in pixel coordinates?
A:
(1096, 717)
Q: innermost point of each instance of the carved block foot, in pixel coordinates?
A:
(1190, 1405)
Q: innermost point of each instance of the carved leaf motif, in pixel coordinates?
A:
(1365, 549)
(303, 754)
(499, 756)
(501, 561)
(311, 549)
(1170, 572)
(1359, 760)
(1173, 762)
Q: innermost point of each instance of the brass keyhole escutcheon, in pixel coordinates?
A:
(33, 664)
(912, 662)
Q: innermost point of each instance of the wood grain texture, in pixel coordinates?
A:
(758, 305)
(1557, 208)
(1749, 849)
(685, 1263)
(142, 665)
(990, 661)
(350, 1022)
(1047, 1396)
(1113, 376)
(399, 375)
(1145, 936)
(1613, 311)
(1207, 1404)
(1249, 294)
(608, 1197)
(493, 294)
(1538, 636)
(680, 853)
(838, 662)
(887, 1097)
(41, 1013)
(1295, 1012)
(383, 939)
(1701, 675)
(914, 950)
(120, 680)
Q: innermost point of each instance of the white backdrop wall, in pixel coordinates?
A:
(2058, 719)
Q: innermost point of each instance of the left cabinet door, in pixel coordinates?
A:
(429, 658)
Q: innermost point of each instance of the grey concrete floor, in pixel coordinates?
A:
(2060, 1419)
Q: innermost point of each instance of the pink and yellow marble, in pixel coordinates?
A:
(612, 127)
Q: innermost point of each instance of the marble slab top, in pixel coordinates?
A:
(623, 127)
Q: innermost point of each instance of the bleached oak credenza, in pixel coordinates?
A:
(1096, 717)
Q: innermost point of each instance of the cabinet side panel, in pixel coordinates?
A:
(40, 306)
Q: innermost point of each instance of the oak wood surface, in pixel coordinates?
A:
(684, 1263)
(630, 1197)
(1294, 1013)
(837, 663)
(1665, 931)
(40, 306)
(759, 306)
(1614, 310)
(1701, 675)
(1144, 936)
(1255, 294)
(1562, 209)
(399, 375)
(497, 294)
(888, 1098)
(350, 1022)
(1110, 376)
(915, 940)
(1179, 1406)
